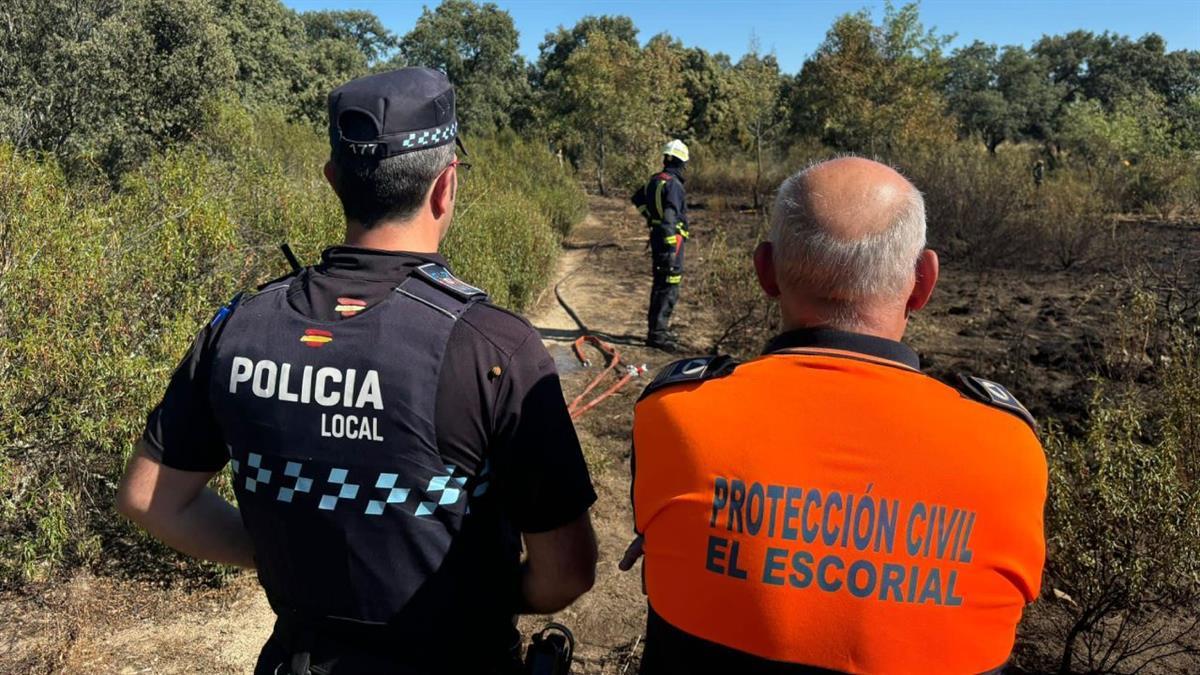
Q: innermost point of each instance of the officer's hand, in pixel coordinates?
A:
(631, 555)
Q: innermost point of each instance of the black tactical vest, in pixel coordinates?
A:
(330, 428)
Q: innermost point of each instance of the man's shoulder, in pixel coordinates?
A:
(690, 371)
(977, 390)
(502, 329)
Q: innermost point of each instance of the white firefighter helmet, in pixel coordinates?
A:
(675, 148)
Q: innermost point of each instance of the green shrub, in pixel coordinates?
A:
(1123, 513)
(730, 173)
(1166, 186)
(505, 163)
(975, 202)
(100, 292)
(1069, 218)
(744, 317)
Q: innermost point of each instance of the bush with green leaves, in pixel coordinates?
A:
(101, 291)
(1124, 532)
(1123, 512)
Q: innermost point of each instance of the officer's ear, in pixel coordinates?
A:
(764, 267)
(442, 192)
(331, 174)
(927, 276)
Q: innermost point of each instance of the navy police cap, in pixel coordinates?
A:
(389, 114)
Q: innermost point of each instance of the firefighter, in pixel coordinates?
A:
(827, 506)
(663, 203)
(392, 437)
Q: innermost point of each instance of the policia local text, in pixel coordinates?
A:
(326, 387)
(836, 519)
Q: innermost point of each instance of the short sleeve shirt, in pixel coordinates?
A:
(498, 399)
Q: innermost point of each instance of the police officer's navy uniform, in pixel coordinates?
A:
(827, 506)
(418, 530)
(389, 435)
(663, 202)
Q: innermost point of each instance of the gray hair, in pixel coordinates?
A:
(392, 189)
(846, 273)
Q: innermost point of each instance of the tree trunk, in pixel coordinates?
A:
(758, 165)
(600, 170)
(1068, 653)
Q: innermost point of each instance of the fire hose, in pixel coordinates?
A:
(612, 358)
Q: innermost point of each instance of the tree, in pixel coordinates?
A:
(616, 101)
(756, 115)
(874, 87)
(554, 51)
(1110, 68)
(107, 82)
(361, 29)
(1001, 96)
(558, 46)
(476, 46)
(707, 84)
(270, 45)
(972, 92)
(1136, 130)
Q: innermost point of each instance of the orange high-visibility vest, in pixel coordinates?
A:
(827, 504)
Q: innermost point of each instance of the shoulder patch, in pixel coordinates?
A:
(225, 310)
(442, 278)
(995, 395)
(695, 369)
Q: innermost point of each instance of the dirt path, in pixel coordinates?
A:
(110, 625)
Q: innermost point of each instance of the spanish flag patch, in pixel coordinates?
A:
(349, 306)
(314, 337)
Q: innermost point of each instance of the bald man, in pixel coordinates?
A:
(826, 506)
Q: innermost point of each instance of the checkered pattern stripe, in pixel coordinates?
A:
(416, 140)
(344, 490)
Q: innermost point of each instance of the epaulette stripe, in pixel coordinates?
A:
(996, 396)
(691, 370)
(427, 303)
(443, 279)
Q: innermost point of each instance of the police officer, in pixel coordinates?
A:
(663, 203)
(391, 435)
(826, 506)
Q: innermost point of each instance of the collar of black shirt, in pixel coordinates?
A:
(842, 341)
(373, 264)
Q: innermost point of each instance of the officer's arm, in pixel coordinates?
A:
(177, 508)
(560, 566)
(544, 481)
(164, 489)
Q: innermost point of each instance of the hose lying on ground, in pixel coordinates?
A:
(612, 357)
(577, 408)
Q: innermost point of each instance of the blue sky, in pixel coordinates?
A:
(793, 29)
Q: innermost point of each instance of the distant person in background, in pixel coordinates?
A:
(826, 506)
(1039, 173)
(663, 203)
(394, 438)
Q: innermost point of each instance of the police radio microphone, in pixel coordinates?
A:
(550, 651)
